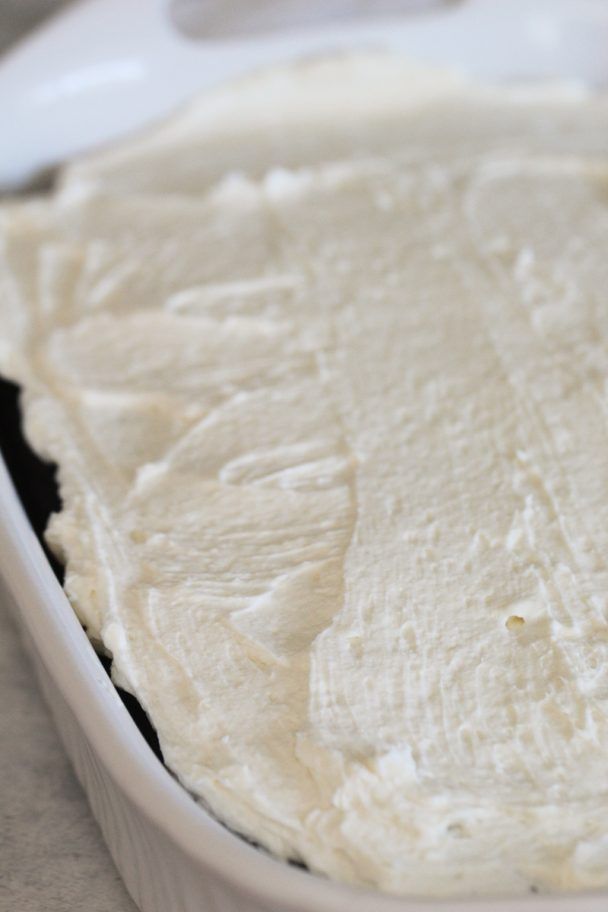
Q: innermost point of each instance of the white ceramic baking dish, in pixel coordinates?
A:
(172, 855)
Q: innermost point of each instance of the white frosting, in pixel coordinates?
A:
(332, 443)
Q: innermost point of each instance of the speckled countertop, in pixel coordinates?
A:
(52, 857)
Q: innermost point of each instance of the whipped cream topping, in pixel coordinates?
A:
(331, 435)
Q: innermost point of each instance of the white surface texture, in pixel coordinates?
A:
(276, 537)
(172, 855)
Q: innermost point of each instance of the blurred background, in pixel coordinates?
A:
(217, 18)
(19, 16)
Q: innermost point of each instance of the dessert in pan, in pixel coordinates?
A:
(321, 363)
(35, 482)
